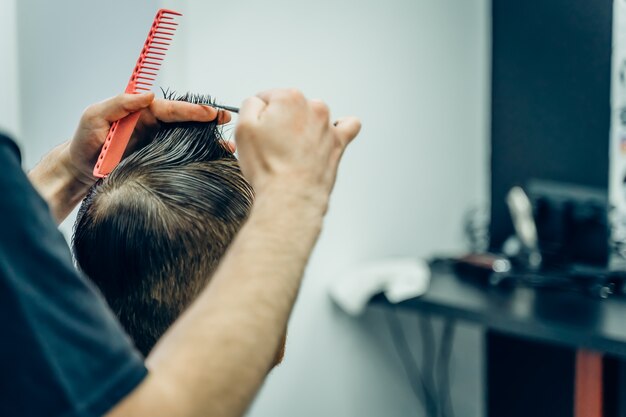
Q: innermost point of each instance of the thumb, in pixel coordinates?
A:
(122, 105)
(347, 128)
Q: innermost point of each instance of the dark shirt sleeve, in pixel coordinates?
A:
(62, 351)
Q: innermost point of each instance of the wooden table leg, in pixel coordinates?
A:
(588, 384)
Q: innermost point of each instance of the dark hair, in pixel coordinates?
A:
(151, 233)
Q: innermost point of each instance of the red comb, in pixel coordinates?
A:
(161, 33)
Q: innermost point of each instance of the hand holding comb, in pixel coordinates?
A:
(145, 72)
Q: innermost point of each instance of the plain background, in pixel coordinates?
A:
(415, 71)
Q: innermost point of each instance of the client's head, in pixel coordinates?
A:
(151, 234)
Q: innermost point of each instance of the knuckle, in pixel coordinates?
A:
(248, 102)
(293, 94)
(120, 100)
(170, 111)
(321, 109)
(90, 112)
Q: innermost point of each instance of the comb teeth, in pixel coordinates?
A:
(158, 41)
(144, 74)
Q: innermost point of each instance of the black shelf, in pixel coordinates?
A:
(559, 317)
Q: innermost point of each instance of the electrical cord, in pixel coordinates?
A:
(432, 386)
(410, 366)
(443, 368)
(428, 358)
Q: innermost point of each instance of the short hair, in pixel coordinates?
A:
(151, 233)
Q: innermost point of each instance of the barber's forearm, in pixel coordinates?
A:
(215, 358)
(55, 181)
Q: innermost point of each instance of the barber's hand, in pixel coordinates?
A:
(96, 121)
(285, 139)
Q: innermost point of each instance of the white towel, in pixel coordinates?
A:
(400, 279)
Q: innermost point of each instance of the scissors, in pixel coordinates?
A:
(223, 107)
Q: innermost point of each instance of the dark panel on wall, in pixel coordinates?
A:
(527, 378)
(550, 97)
(614, 383)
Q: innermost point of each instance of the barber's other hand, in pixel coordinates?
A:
(288, 142)
(96, 121)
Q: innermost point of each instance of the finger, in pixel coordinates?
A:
(290, 96)
(267, 95)
(320, 109)
(230, 146)
(251, 110)
(169, 111)
(223, 117)
(122, 105)
(347, 128)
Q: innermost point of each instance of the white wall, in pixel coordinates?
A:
(9, 98)
(72, 53)
(416, 72)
